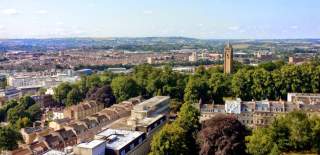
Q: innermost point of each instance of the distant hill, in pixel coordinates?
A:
(145, 43)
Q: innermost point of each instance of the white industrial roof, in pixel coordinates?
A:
(120, 138)
(91, 144)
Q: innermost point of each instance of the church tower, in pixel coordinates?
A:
(228, 58)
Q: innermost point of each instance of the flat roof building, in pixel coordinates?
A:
(120, 142)
(153, 106)
(95, 147)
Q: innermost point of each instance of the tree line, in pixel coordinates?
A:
(270, 80)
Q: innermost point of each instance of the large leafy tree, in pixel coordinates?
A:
(141, 75)
(103, 95)
(124, 87)
(3, 111)
(292, 132)
(73, 97)
(61, 92)
(9, 138)
(219, 84)
(262, 85)
(169, 140)
(241, 84)
(260, 142)
(179, 136)
(223, 135)
(188, 119)
(34, 112)
(196, 89)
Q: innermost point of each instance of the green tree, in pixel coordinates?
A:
(34, 112)
(26, 102)
(124, 88)
(294, 132)
(219, 84)
(61, 92)
(4, 110)
(73, 97)
(196, 89)
(93, 81)
(141, 75)
(9, 138)
(175, 106)
(14, 114)
(315, 127)
(262, 85)
(188, 119)
(260, 142)
(169, 140)
(241, 84)
(23, 122)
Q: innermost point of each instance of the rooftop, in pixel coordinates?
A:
(54, 152)
(149, 120)
(146, 105)
(117, 139)
(91, 144)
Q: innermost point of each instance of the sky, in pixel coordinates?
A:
(204, 19)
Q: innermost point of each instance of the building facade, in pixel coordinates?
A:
(256, 113)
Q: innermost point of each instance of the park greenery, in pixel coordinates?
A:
(178, 137)
(18, 114)
(270, 80)
(294, 132)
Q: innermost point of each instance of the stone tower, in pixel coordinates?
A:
(228, 58)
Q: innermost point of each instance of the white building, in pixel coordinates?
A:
(46, 81)
(233, 106)
(154, 106)
(121, 142)
(114, 142)
(95, 147)
(193, 57)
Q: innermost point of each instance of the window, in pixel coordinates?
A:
(140, 140)
(131, 146)
(123, 152)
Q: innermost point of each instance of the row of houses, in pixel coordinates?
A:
(74, 128)
(262, 113)
(131, 135)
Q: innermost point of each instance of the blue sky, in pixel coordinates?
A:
(214, 19)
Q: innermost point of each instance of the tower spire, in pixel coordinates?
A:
(228, 58)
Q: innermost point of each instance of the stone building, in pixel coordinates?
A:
(256, 113)
(82, 110)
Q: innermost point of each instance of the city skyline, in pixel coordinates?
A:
(204, 19)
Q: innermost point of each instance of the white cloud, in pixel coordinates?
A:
(1, 27)
(10, 11)
(234, 28)
(294, 27)
(147, 12)
(41, 12)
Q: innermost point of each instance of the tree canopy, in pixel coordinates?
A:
(292, 132)
(222, 135)
(9, 138)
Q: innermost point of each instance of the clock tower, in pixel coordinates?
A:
(228, 59)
